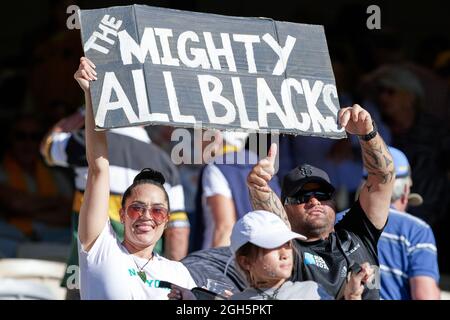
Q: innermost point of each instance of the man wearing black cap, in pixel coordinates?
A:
(308, 207)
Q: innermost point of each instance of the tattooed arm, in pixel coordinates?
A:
(261, 195)
(269, 202)
(375, 197)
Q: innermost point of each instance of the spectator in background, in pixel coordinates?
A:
(442, 67)
(424, 139)
(223, 197)
(406, 249)
(55, 50)
(129, 150)
(34, 199)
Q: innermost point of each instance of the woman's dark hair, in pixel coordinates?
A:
(150, 176)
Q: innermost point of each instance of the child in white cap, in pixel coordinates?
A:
(261, 243)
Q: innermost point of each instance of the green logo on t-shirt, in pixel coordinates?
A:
(150, 283)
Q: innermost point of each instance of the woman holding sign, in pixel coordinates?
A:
(110, 269)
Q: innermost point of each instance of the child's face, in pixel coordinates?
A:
(273, 264)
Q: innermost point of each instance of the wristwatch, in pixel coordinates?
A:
(370, 135)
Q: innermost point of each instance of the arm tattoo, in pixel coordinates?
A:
(387, 160)
(377, 160)
(271, 204)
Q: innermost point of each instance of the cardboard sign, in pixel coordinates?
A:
(179, 68)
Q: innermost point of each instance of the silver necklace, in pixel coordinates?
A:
(141, 273)
(267, 296)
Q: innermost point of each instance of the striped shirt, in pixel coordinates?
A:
(406, 249)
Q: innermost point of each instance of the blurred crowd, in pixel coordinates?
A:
(406, 92)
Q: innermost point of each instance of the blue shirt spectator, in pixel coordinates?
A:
(406, 249)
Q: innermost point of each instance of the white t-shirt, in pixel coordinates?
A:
(214, 183)
(109, 272)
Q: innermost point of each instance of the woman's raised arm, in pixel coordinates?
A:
(94, 210)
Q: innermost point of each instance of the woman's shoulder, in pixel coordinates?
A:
(167, 263)
(175, 272)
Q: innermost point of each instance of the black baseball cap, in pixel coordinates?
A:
(294, 181)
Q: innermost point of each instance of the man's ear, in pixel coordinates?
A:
(405, 195)
(404, 199)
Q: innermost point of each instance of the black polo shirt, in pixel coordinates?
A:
(323, 260)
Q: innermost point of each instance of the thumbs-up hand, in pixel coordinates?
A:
(263, 171)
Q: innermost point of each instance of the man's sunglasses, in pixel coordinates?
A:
(304, 197)
(158, 213)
